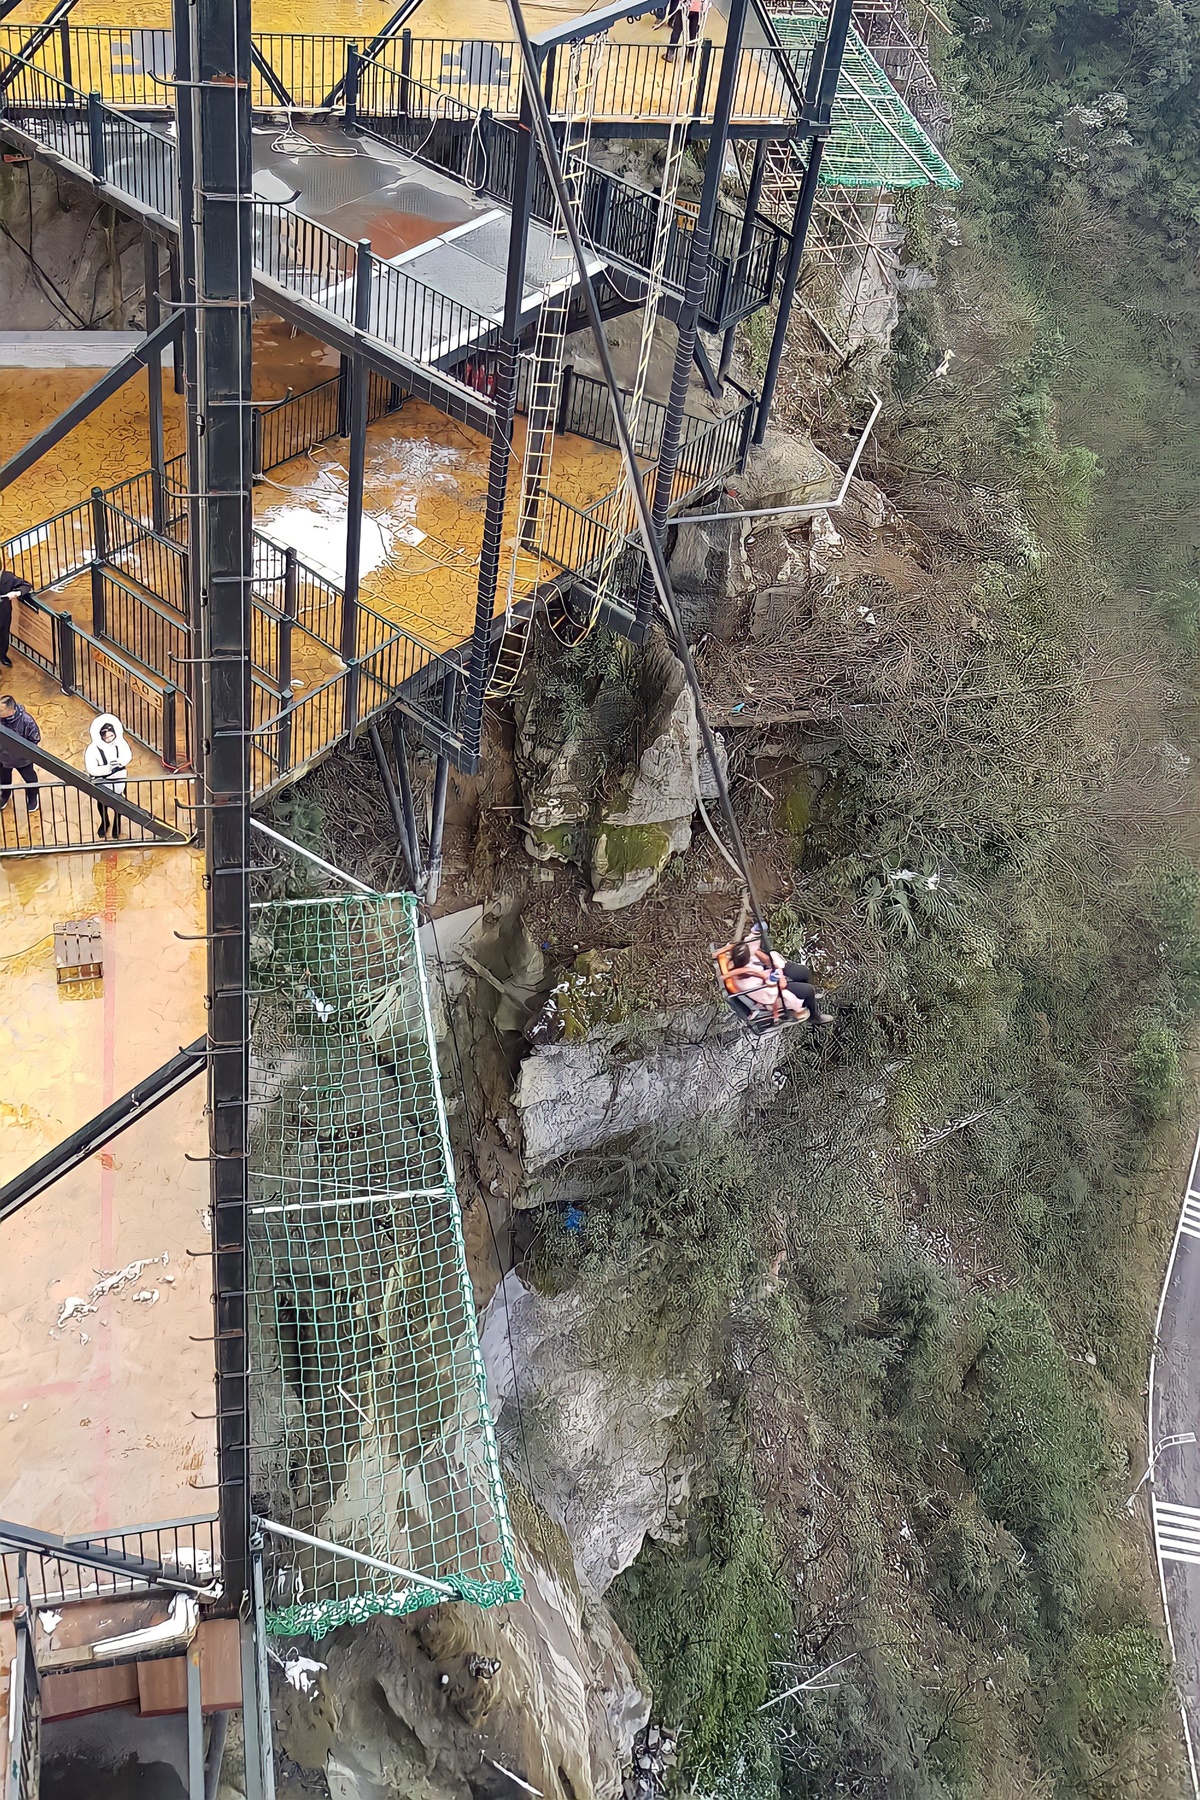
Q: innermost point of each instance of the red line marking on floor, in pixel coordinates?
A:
(99, 1486)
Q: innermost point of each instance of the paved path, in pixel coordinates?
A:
(1174, 1485)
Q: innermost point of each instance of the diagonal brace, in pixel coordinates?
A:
(101, 1130)
(16, 751)
(96, 395)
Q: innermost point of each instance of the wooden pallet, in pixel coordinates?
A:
(78, 950)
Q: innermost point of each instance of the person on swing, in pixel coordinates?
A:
(773, 982)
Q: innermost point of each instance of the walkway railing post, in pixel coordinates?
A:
(359, 387)
(158, 455)
(65, 642)
(99, 609)
(350, 88)
(98, 162)
(99, 527)
(170, 728)
(290, 598)
(405, 71)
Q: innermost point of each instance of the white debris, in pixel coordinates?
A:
(302, 1672)
(148, 1297)
(74, 1307)
(324, 1009)
(84, 1338)
(50, 1622)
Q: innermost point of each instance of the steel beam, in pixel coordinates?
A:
(100, 391)
(360, 381)
(693, 296)
(505, 402)
(823, 74)
(158, 455)
(212, 48)
(102, 1129)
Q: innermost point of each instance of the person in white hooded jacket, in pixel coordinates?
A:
(106, 759)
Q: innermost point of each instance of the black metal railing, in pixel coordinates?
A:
(153, 635)
(132, 66)
(66, 818)
(183, 1547)
(287, 428)
(22, 1740)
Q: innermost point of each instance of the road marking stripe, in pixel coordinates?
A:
(1190, 1218)
(1177, 1532)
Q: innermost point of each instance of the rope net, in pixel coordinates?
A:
(370, 1416)
(876, 142)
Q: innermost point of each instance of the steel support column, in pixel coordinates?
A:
(505, 401)
(693, 293)
(360, 381)
(441, 781)
(758, 169)
(212, 39)
(158, 455)
(824, 70)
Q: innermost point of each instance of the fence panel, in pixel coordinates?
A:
(53, 551)
(156, 713)
(156, 638)
(158, 563)
(68, 819)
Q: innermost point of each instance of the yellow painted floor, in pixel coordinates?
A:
(96, 1413)
(426, 488)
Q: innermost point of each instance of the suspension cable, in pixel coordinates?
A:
(544, 132)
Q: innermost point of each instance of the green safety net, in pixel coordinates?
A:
(876, 142)
(371, 1425)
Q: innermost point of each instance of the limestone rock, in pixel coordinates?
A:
(573, 1096)
(546, 1688)
(601, 1448)
(651, 819)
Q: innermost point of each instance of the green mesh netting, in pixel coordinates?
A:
(371, 1422)
(876, 142)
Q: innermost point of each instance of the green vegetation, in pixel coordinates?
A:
(913, 1295)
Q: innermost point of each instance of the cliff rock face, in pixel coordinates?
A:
(601, 1449)
(573, 1096)
(450, 1703)
(611, 786)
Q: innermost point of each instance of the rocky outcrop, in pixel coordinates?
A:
(601, 1448)
(453, 1703)
(573, 1096)
(587, 800)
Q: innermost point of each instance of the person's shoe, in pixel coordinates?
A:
(7, 661)
(116, 830)
(33, 806)
(825, 1018)
(103, 831)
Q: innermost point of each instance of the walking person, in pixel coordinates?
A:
(11, 587)
(14, 718)
(684, 12)
(106, 759)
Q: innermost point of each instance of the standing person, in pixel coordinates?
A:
(684, 12)
(106, 759)
(15, 718)
(10, 585)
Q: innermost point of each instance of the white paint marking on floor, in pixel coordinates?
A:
(1177, 1532)
(1190, 1220)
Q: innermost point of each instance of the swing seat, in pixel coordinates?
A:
(750, 1015)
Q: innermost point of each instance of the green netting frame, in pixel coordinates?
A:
(370, 1416)
(876, 142)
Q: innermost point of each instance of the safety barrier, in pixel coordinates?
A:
(22, 1761)
(187, 1547)
(66, 818)
(132, 66)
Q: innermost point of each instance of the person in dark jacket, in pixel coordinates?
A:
(11, 587)
(14, 718)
